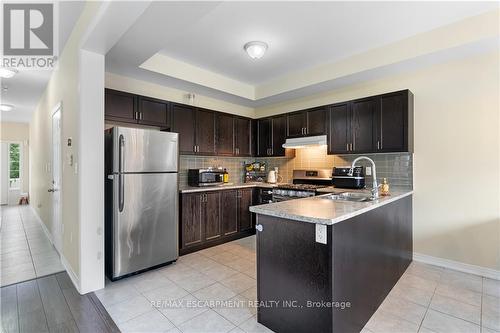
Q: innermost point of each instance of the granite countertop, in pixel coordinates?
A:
(228, 186)
(321, 210)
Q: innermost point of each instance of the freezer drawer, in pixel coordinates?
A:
(139, 150)
(145, 221)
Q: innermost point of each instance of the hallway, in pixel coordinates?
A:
(25, 251)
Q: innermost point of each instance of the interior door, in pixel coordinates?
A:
(4, 176)
(145, 221)
(55, 187)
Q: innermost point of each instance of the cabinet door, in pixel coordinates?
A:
(297, 124)
(279, 135)
(183, 119)
(224, 137)
(245, 216)
(264, 133)
(229, 212)
(153, 112)
(191, 227)
(120, 106)
(339, 129)
(362, 126)
(392, 122)
(210, 215)
(243, 136)
(317, 121)
(205, 131)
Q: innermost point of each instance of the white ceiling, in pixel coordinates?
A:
(301, 35)
(26, 87)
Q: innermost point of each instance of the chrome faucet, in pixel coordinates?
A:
(374, 174)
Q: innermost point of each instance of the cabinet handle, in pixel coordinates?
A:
(352, 149)
(347, 146)
(140, 115)
(378, 145)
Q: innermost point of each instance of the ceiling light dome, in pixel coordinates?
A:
(7, 73)
(6, 107)
(255, 49)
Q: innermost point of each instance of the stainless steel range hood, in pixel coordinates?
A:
(305, 142)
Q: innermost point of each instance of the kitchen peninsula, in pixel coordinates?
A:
(329, 262)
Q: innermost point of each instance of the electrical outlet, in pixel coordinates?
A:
(321, 233)
(368, 171)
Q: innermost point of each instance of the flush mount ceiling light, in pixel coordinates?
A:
(255, 49)
(6, 107)
(7, 73)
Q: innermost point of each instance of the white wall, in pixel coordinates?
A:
(456, 158)
(64, 87)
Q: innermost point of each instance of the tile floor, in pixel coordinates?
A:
(25, 250)
(188, 297)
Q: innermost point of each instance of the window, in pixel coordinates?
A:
(14, 165)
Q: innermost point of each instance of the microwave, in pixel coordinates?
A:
(205, 177)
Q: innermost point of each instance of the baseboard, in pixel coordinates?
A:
(458, 266)
(44, 227)
(72, 275)
(65, 263)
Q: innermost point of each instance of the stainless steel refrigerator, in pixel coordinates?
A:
(141, 200)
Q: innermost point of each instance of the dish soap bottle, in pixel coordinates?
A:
(385, 188)
(226, 176)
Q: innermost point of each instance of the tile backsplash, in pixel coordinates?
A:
(396, 167)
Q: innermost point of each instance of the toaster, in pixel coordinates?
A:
(342, 179)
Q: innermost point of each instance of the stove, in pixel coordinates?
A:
(305, 184)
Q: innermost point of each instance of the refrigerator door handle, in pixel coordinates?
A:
(121, 180)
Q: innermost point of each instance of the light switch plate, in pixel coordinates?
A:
(321, 233)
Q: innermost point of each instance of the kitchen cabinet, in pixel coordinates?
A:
(339, 129)
(196, 128)
(154, 112)
(394, 122)
(264, 137)
(245, 200)
(191, 222)
(363, 125)
(377, 124)
(205, 132)
(307, 123)
(214, 217)
(225, 134)
(229, 205)
(271, 135)
(210, 215)
(120, 106)
(183, 120)
(243, 136)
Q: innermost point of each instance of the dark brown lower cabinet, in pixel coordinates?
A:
(229, 205)
(214, 217)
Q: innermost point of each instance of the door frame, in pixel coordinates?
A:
(57, 230)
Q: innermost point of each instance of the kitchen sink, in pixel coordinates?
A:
(350, 196)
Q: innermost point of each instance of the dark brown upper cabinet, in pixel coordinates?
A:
(308, 122)
(196, 128)
(363, 125)
(377, 124)
(243, 136)
(120, 106)
(183, 120)
(224, 134)
(264, 137)
(394, 122)
(297, 124)
(339, 136)
(154, 112)
(271, 135)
